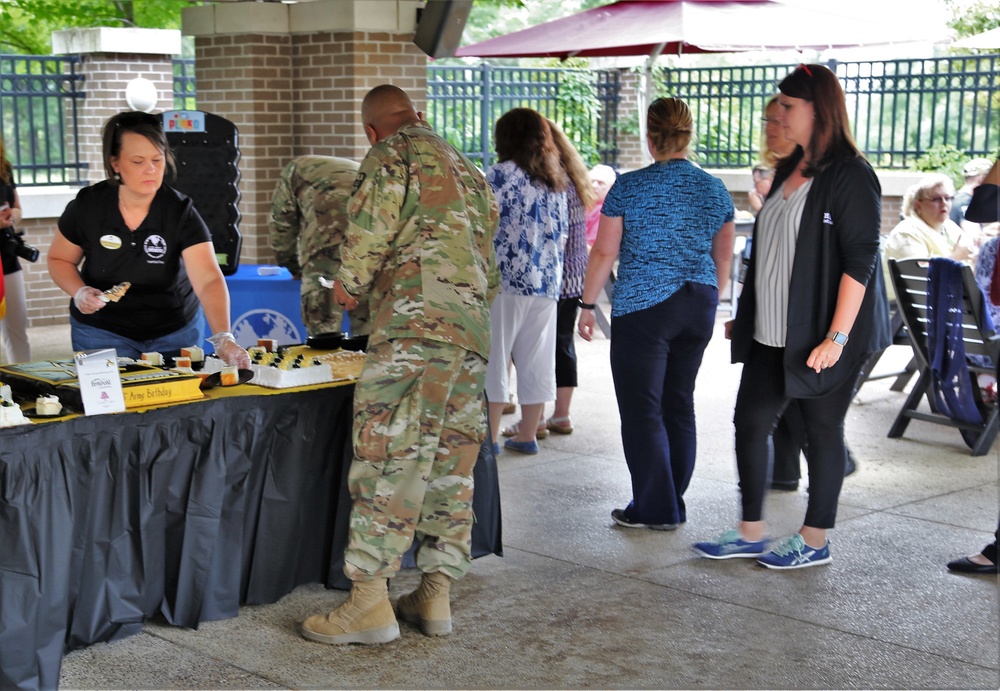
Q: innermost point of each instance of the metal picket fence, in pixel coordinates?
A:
(39, 97)
(465, 102)
(900, 109)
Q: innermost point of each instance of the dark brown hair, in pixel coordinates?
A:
(522, 135)
(669, 125)
(574, 166)
(831, 136)
(148, 125)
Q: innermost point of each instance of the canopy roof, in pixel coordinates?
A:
(988, 40)
(654, 27)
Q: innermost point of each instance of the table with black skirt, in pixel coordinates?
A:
(187, 511)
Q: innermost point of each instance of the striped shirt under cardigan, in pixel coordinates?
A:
(777, 233)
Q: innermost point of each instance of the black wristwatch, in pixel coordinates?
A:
(584, 305)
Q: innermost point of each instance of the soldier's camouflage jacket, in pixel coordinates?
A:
(309, 215)
(420, 242)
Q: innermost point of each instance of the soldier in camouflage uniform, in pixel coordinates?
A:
(420, 245)
(308, 218)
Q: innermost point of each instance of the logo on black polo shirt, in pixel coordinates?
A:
(155, 247)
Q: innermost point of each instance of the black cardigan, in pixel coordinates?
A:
(839, 234)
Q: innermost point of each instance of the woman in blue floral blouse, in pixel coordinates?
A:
(530, 186)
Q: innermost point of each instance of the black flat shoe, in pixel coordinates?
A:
(785, 485)
(964, 565)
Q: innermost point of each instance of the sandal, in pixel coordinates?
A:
(559, 425)
(514, 430)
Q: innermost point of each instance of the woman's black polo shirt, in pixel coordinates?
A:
(161, 299)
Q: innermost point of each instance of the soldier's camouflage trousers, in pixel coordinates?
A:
(419, 420)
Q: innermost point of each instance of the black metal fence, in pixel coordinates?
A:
(185, 91)
(463, 103)
(39, 97)
(899, 109)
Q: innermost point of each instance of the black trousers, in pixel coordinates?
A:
(789, 441)
(566, 312)
(759, 404)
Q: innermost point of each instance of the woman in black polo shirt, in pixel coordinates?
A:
(133, 228)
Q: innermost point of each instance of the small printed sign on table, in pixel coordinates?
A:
(100, 382)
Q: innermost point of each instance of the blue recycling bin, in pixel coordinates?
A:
(265, 302)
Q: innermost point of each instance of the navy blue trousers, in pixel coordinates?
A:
(655, 357)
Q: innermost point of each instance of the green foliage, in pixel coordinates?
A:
(28, 24)
(490, 18)
(567, 96)
(943, 158)
(976, 18)
(578, 113)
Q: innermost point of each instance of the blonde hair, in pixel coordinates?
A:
(768, 156)
(919, 190)
(669, 125)
(6, 169)
(574, 166)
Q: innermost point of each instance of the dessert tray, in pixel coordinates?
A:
(298, 366)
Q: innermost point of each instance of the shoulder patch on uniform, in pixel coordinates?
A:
(358, 182)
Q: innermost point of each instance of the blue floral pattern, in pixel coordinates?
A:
(531, 238)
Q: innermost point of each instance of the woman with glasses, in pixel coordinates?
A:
(812, 309)
(926, 229)
(132, 228)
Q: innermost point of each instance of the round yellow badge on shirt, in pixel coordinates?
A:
(111, 242)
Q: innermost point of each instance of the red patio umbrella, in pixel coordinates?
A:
(655, 27)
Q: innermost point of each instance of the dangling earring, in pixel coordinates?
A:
(118, 177)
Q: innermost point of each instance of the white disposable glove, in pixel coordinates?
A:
(229, 350)
(88, 300)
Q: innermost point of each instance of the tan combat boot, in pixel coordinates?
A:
(365, 617)
(428, 605)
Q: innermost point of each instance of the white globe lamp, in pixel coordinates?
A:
(140, 94)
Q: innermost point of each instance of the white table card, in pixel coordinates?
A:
(100, 384)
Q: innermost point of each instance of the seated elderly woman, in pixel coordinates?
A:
(926, 230)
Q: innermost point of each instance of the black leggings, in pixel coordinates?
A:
(759, 405)
(565, 347)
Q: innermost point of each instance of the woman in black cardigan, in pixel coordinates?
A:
(813, 308)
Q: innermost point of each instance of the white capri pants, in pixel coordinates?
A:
(523, 329)
(14, 326)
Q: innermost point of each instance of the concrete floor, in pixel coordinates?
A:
(579, 602)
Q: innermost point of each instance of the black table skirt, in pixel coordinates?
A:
(187, 511)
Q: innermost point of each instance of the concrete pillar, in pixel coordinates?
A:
(291, 77)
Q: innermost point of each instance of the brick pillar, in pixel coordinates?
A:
(291, 77)
(630, 148)
(110, 59)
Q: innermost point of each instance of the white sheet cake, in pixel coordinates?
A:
(299, 366)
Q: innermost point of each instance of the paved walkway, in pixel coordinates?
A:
(578, 602)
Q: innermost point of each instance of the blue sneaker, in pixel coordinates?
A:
(794, 553)
(496, 448)
(730, 545)
(528, 447)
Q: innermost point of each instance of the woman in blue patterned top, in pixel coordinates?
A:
(530, 187)
(670, 225)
